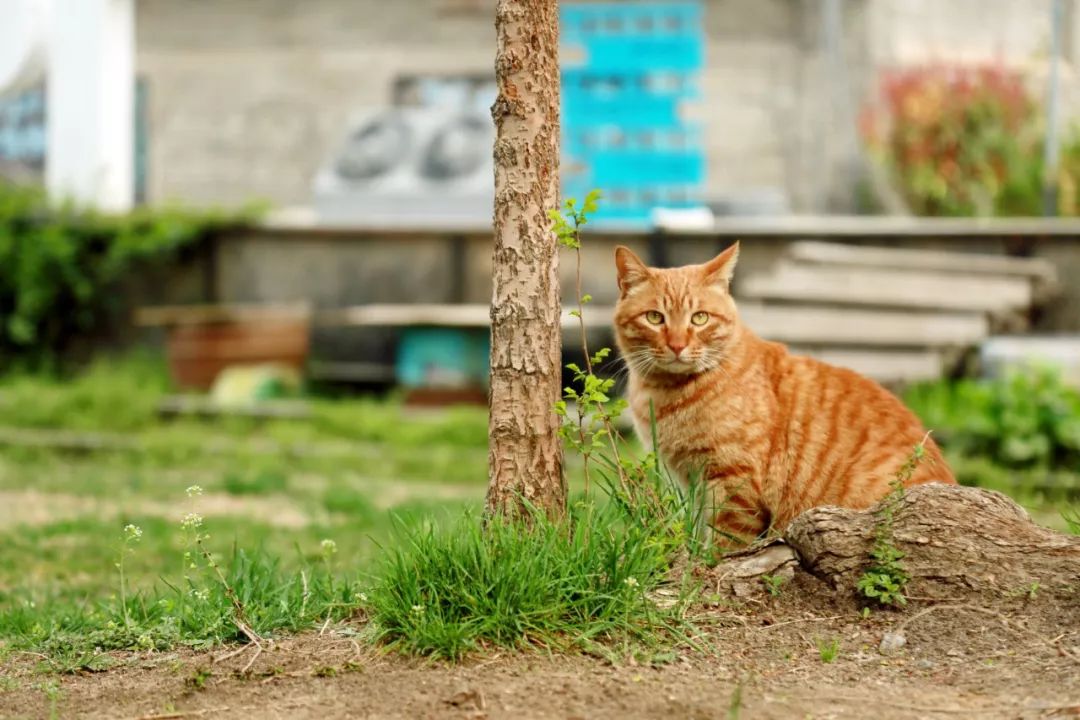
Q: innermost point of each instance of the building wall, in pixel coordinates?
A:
(1012, 32)
(247, 97)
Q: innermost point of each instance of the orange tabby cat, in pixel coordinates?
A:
(772, 433)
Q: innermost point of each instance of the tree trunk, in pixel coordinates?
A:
(957, 541)
(525, 453)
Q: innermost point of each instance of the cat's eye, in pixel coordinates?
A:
(699, 318)
(655, 317)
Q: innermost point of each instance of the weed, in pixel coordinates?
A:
(192, 526)
(884, 581)
(1028, 592)
(325, 671)
(773, 584)
(52, 691)
(828, 650)
(735, 704)
(198, 677)
(132, 534)
(596, 410)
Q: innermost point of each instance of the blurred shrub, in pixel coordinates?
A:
(61, 267)
(1029, 418)
(960, 141)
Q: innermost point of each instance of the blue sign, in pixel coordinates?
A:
(631, 93)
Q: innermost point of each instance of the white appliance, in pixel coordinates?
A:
(415, 167)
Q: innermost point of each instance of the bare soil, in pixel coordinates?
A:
(1009, 656)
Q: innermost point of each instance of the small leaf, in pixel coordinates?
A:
(591, 203)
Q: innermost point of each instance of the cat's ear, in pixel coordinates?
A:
(631, 271)
(718, 271)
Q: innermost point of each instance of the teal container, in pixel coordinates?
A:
(443, 357)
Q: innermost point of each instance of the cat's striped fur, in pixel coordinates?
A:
(772, 433)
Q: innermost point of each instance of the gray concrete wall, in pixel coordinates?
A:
(247, 97)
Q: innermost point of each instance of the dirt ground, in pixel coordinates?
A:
(1011, 657)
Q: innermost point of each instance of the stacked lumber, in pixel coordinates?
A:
(895, 314)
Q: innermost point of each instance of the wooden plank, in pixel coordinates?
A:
(891, 366)
(438, 315)
(823, 253)
(172, 315)
(302, 224)
(784, 323)
(859, 227)
(889, 288)
(858, 327)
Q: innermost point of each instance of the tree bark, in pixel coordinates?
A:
(958, 541)
(525, 453)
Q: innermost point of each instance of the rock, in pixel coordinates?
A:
(892, 643)
(740, 573)
(467, 699)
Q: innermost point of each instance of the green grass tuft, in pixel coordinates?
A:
(517, 584)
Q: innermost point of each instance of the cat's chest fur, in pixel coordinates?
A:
(699, 428)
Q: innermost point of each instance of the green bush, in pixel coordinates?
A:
(61, 267)
(967, 140)
(1030, 418)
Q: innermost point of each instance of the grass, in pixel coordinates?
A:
(190, 609)
(363, 474)
(397, 493)
(273, 492)
(828, 650)
(577, 583)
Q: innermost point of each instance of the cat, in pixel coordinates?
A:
(770, 433)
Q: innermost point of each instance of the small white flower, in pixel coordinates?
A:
(132, 533)
(361, 597)
(191, 521)
(631, 582)
(201, 594)
(194, 491)
(329, 547)
(418, 609)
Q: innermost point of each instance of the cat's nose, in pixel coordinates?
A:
(677, 346)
